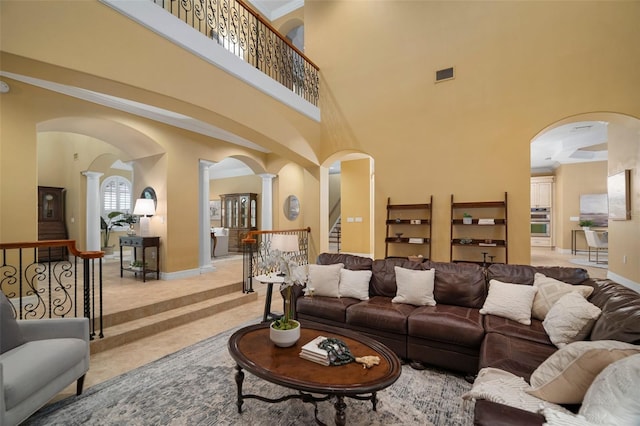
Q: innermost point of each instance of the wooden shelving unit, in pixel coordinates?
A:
(408, 229)
(479, 242)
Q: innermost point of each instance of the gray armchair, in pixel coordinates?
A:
(51, 354)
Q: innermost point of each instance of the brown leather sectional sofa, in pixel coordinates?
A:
(453, 334)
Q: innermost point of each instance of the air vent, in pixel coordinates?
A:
(444, 74)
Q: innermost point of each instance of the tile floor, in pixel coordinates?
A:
(116, 361)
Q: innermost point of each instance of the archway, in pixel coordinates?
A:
(582, 151)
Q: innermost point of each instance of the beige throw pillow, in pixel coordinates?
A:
(415, 286)
(355, 284)
(565, 376)
(550, 291)
(512, 301)
(325, 279)
(570, 319)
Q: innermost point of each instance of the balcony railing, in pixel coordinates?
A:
(41, 281)
(237, 28)
(257, 247)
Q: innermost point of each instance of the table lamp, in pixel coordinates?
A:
(144, 207)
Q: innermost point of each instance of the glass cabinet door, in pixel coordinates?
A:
(244, 212)
(253, 213)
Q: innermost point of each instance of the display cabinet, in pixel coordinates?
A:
(408, 230)
(239, 214)
(51, 222)
(479, 232)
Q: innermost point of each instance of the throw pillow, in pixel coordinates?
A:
(614, 396)
(565, 376)
(512, 301)
(355, 284)
(493, 384)
(10, 334)
(325, 279)
(550, 291)
(415, 286)
(570, 319)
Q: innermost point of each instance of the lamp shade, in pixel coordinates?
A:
(144, 207)
(284, 243)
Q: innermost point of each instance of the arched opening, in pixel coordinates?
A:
(578, 154)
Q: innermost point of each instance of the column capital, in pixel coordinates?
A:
(266, 176)
(89, 174)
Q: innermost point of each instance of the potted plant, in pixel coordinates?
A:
(106, 225)
(137, 265)
(586, 224)
(285, 331)
(467, 219)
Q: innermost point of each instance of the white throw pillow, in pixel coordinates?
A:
(325, 279)
(550, 291)
(506, 388)
(614, 396)
(570, 319)
(512, 301)
(355, 284)
(415, 286)
(566, 375)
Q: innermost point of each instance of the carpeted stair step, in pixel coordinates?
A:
(145, 321)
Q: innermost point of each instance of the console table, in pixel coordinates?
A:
(143, 243)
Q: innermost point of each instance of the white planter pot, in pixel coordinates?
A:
(284, 338)
(467, 220)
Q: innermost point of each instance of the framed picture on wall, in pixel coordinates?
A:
(619, 195)
(214, 209)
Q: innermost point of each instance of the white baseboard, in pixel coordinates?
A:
(624, 281)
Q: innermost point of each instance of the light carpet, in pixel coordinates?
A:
(195, 386)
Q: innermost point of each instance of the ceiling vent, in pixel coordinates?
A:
(444, 74)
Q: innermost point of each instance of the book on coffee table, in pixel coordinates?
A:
(310, 351)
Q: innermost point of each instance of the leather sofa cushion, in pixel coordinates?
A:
(383, 280)
(449, 324)
(459, 284)
(488, 413)
(332, 308)
(534, 332)
(524, 274)
(350, 261)
(518, 356)
(620, 317)
(378, 313)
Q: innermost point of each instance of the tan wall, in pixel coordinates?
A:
(355, 203)
(62, 157)
(469, 136)
(290, 181)
(572, 181)
(624, 235)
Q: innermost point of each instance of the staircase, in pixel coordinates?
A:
(134, 310)
(335, 235)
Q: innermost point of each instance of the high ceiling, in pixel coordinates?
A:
(274, 9)
(578, 142)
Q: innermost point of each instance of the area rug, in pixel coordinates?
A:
(195, 386)
(585, 262)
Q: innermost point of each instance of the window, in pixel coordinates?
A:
(116, 195)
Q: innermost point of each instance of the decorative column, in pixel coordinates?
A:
(92, 220)
(266, 219)
(204, 252)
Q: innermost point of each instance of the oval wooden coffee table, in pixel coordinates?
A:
(252, 350)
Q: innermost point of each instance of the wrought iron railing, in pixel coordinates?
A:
(237, 28)
(42, 280)
(257, 247)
